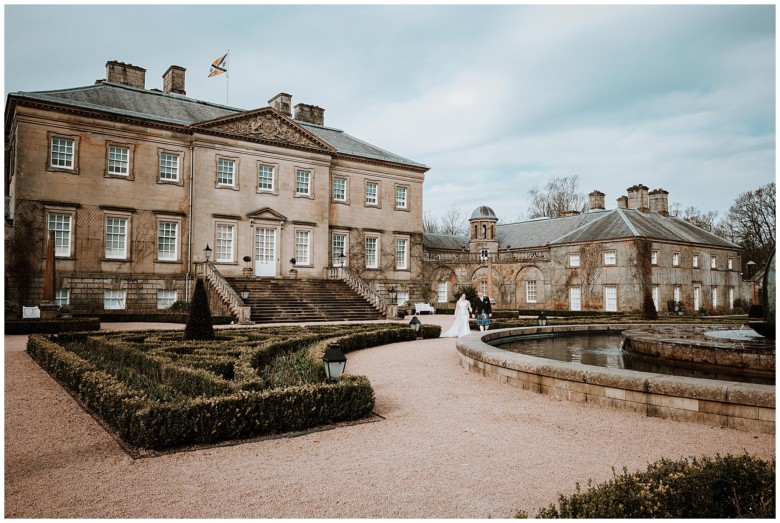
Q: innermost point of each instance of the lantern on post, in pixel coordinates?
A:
(393, 294)
(542, 319)
(342, 257)
(415, 324)
(335, 362)
(245, 293)
(207, 252)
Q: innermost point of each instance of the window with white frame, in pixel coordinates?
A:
(372, 252)
(401, 253)
(62, 152)
(303, 183)
(339, 189)
(339, 248)
(372, 193)
(695, 261)
(483, 288)
(530, 291)
(113, 299)
(574, 260)
(610, 257)
(165, 298)
(401, 297)
(167, 240)
(118, 160)
(225, 243)
(714, 297)
(62, 297)
(575, 298)
(654, 257)
(713, 262)
(483, 254)
(610, 298)
(730, 263)
(116, 238)
(441, 292)
(655, 297)
(302, 247)
(61, 225)
(731, 297)
(676, 293)
(696, 298)
(676, 259)
(265, 177)
(400, 197)
(169, 167)
(226, 172)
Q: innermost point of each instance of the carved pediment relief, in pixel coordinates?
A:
(266, 213)
(266, 125)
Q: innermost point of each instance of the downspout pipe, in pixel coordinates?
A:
(188, 277)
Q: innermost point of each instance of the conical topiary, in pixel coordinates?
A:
(199, 326)
(648, 308)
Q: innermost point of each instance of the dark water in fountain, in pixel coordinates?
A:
(603, 350)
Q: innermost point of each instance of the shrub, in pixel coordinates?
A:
(179, 306)
(430, 331)
(648, 308)
(38, 326)
(199, 326)
(723, 487)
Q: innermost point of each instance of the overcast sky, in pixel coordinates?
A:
(493, 99)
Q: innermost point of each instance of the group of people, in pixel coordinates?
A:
(482, 310)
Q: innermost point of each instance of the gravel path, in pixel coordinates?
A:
(452, 445)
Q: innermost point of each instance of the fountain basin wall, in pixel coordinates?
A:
(741, 406)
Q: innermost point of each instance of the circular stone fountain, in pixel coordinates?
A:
(719, 346)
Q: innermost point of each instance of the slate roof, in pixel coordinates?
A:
(177, 109)
(589, 227)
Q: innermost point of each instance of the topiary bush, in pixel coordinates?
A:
(199, 326)
(720, 487)
(648, 308)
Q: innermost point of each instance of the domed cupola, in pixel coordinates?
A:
(482, 226)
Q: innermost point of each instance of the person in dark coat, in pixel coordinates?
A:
(483, 310)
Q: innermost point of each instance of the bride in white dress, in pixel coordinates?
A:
(460, 327)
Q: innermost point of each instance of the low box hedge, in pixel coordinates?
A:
(159, 391)
(38, 326)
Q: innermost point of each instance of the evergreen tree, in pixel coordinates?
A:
(199, 326)
(648, 308)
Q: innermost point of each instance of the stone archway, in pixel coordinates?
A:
(530, 288)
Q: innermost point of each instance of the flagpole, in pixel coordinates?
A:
(227, 74)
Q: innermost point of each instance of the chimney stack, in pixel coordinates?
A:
(622, 202)
(173, 80)
(659, 201)
(310, 114)
(125, 74)
(638, 198)
(596, 201)
(282, 103)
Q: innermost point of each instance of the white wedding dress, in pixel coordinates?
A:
(460, 327)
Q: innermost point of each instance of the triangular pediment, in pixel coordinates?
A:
(265, 125)
(266, 213)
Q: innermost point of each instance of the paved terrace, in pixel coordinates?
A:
(451, 444)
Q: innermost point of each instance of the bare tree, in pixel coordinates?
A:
(453, 221)
(559, 195)
(752, 223)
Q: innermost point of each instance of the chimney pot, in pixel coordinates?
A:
(659, 201)
(173, 80)
(596, 201)
(638, 198)
(125, 74)
(622, 202)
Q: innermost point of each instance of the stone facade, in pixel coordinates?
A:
(602, 260)
(137, 182)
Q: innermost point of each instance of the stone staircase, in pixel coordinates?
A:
(288, 300)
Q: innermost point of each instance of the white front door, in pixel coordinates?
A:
(575, 298)
(265, 252)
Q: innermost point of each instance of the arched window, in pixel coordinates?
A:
(484, 232)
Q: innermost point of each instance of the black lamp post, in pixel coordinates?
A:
(415, 324)
(393, 294)
(245, 293)
(542, 319)
(335, 362)
(207, 252)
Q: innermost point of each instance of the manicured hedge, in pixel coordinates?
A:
(712, 488)
(160, 391)
(38, 326)
(155, 317)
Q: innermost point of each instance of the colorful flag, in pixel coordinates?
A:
(219, 66)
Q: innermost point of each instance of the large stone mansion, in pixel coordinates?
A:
(136, 182)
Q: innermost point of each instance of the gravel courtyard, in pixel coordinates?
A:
(451, 445)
